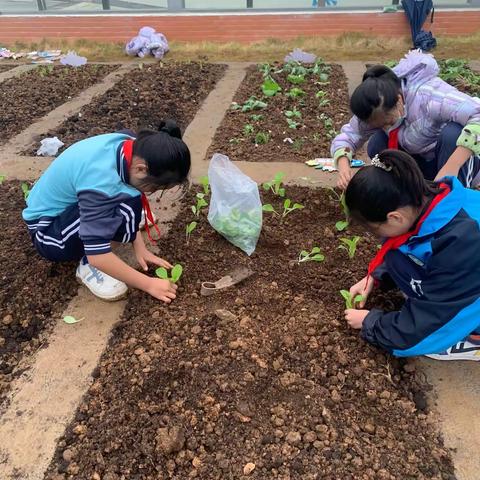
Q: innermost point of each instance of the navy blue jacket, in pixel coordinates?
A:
(446, 305)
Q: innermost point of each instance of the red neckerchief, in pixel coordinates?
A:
(393, 138)
(395, 242)
(128, 152)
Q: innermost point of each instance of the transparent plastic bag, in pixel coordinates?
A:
(235, 208)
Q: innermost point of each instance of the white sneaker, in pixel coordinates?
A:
(141, 225)
(467, 349)
(100, 284)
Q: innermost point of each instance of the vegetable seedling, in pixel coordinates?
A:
(201, 203)
(175, 273)
(256, 118)
(350, 245)
(349, 301)
(292, 123)
(265, 68)
(261, 138)
(342, 224)
(295, 92)
(251, 104)
(189, 229)
(288, 207)
(275, 185)
(2, 179)
(25, 190)
(322, 96)
(314, 255)
(293, 113)
(204, 182)
(248, 129)
(296, 79)
(270, 87)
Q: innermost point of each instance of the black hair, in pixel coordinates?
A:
(373, 192)
(167, 156)
(379, 89)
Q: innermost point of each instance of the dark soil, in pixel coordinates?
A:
(143, 98)
(310, 140)
(35, 93)
(6, 67)
(266, 373)
(33, 292)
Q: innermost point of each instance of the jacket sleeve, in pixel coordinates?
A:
(447, 306)
(451, 105)
(351, 137)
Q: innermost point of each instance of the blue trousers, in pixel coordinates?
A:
(446, 145)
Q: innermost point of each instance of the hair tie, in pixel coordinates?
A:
(376, 162)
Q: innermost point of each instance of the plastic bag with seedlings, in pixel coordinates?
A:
(235, 207)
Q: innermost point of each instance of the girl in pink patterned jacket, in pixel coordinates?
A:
(410, 108)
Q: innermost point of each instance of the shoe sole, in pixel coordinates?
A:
(105, 299)
(455, 356)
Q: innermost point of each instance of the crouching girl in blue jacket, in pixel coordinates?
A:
(431, 252)
(93, 194)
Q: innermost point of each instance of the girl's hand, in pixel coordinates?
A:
(144, 256)
(345, 173)
(162, 289)
(355, 318)
(364, 287)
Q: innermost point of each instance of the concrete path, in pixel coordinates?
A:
(45, 398)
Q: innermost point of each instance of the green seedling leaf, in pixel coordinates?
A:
(347, 297)
(358, 299)
(296, 79)
(304, 253)
(70, 320)
(162, 273)
(256, 118)
(25, 190)
(287, 203)
(313, 256)
(279, 176)
(350, 245)
(270, 87)
(2, 179)
(268, 208)
(191, 227)
(297, 206)
(315, 250)
(295, 92)
(177, 271)
(341, 225)
(262, 138)
(204, 182)
(281, 192)
(292, 123)
(318, 257)
(267, 186)
(248, 129)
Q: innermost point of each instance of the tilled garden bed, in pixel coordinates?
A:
(297, 123)
(33, 292)
(33, 94)
(142, 99)
(264, 380)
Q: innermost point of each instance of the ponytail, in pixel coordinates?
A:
(167, 156)
(379, 90)
(394, 180)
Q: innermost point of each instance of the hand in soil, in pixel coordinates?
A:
(355, 317)
(364, 288)
(345, 173)
(144, 257)
(162, 289)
